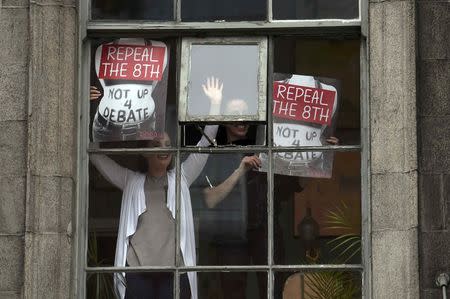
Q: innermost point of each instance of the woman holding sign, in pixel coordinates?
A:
(146, 233)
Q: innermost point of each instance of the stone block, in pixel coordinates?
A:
(47, 266)
(434, 90)
(10, 295)
(434, 146)
(11, 263)
(394, 201)
(433, 132)
(393, 86)
(432, 161)
(13, 91)
(53, 122)
(12, 202)
(14, 43)
(433, 293)
(434, 29)
(15, 3)
(431, 203)
(69, 3)
(49, 206)
(434, 252)
(13, 148)
(395, 264)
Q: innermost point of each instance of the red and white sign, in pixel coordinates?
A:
(302, 103)
(132, 62)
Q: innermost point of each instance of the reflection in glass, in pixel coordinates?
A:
(330, 284)
(132, 10)
(236, 285)
(234, 66)
(320, 221)
(230, 211)
(233, 10)
(319, 9)
(338, 59)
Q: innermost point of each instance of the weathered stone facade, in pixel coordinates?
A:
(408, 47)
(433, 69)
(38, 146)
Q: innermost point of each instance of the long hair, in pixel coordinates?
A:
(142, 161)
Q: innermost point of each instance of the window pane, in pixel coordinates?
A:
(233, 10)
(229, 201)
(318, 220)
(132, 90)
(134, 285)
(128, 197)
(229, 135)
(320, 9)
(330, 284)
(308, 64)
(132, 10)
(236, 285)
(225, 80)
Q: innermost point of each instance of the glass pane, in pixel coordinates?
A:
(303, 68)
(320, 9)
(223, 80)
(233, 134)
(330, 284)
(233, 10)
(236, 285)
(132, 94)
(161, 10)
(229, 200)
(135, 285)
(129, 196)
(318, 220)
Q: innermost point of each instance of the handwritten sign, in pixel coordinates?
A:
(303, 115)
(303, 103)
(133, 76)
(131, 62)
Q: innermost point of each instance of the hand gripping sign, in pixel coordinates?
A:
(303, 108)
(129, 70)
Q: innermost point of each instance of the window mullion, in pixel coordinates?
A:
(270, 244)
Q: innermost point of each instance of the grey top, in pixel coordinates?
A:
(153, 243)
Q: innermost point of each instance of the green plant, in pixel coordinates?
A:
(332, 284)
(347, 245)
(99, 285)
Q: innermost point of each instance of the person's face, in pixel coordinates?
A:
(160, 160)
(236, 131)
(236, 107)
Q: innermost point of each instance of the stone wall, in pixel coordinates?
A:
(392, 106)
(434, 142)
(38, 146)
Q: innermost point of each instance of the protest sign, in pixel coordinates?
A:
(304, 114)
(133, 75)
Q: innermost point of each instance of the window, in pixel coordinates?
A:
(221, 150)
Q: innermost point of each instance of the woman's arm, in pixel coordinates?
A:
(216, 194)
(194, 164)
(110, 170)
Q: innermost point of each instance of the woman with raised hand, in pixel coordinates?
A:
(146, 235)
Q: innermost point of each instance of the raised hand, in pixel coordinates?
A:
(213, 90)
(94, 93)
